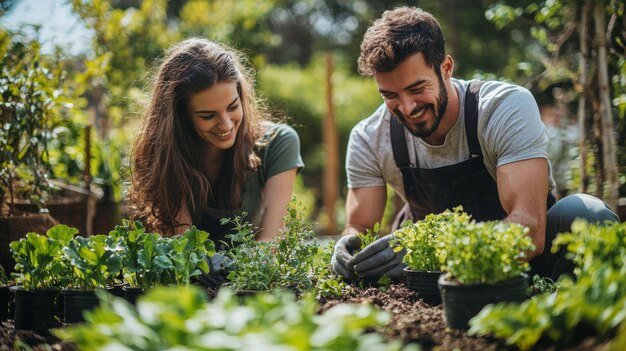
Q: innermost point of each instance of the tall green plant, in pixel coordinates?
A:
(29, 93)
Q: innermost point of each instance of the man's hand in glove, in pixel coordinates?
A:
(342, 255)
(378, 259)
(218, 271)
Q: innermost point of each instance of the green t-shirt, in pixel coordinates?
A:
(279, 152)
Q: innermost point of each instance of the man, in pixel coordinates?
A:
(440, 142)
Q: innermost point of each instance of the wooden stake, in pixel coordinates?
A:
(331, 144)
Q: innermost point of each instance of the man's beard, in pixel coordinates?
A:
(443, 104)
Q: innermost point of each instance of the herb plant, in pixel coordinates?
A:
(421, 239)
(593, 305)
(180, 318)
(484, 252)
(37, 257)
(253, 261)
(285, 262)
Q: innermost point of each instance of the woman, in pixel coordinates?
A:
(206, 149)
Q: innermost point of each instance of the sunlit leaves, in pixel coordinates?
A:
(181, 319)
(483, 252)
(593, 305)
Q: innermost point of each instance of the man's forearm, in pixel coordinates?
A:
(536, 231)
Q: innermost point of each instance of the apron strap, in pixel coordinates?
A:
(398, 144)
(471, 117)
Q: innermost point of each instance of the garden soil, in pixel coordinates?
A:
(412, 321)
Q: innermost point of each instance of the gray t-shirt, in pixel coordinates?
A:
(509, 130)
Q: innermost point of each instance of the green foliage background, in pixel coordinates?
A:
(286, 42)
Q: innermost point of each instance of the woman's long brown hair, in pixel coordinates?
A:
(166, 158)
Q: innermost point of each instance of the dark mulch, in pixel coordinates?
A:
(11, 339)
(414, 321)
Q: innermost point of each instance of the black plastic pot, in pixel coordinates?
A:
(34, 310)
(5, 297)
(461, 302)
(75, 302)
(425, 284)
(132, 293)
(116, 290)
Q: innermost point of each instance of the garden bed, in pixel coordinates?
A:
(412, 321)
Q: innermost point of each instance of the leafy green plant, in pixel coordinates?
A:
(593, 305)
(483, 252)
(37, 257)
(131, 234)
(95, 261)
(148, 259)
(384, 283)
(421, 239)
(180, 318)
(188, 254)
(591, 246)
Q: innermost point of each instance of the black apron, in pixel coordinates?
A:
(210, 220)
(467, 183)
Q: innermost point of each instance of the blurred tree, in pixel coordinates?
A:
(558, 57)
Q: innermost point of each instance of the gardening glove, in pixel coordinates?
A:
(379, 259)
(342, 255)
(219, 265)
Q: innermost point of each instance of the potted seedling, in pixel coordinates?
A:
(484, 264)
(189, 255)
(94, 261)
(39, 267)
(150, 252)
(420, 240)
